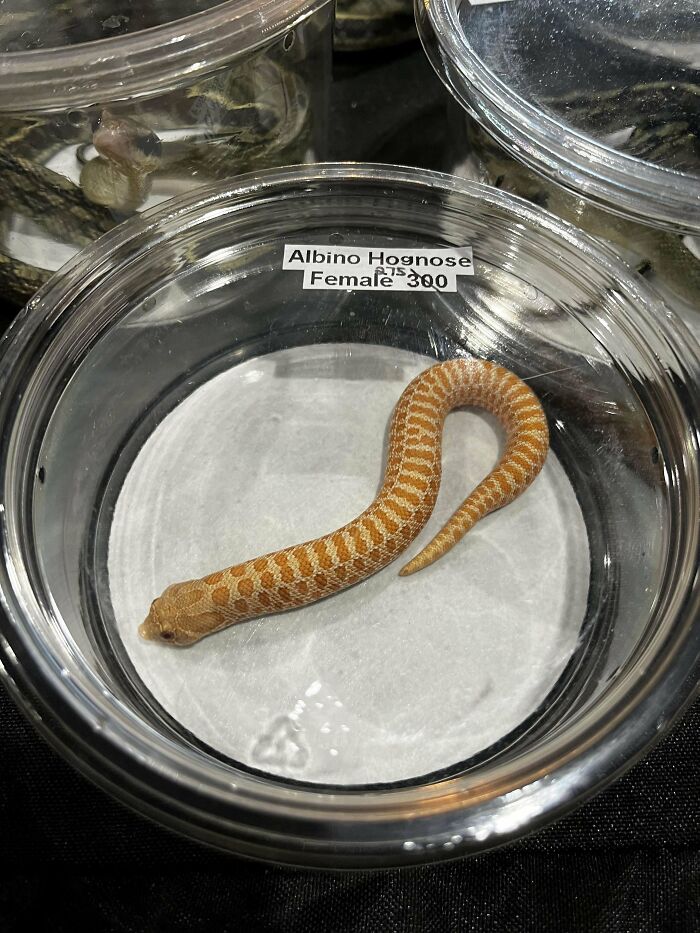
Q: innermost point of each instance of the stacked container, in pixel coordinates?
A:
(106, 110)
(589, 109)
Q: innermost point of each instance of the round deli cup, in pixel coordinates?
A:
(108, 112)
(214, 380)
(587, 109)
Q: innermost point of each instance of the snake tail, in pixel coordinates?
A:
(302, 574)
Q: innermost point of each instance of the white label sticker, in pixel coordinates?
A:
(379, 268)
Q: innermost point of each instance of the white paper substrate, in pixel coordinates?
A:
(393, 678)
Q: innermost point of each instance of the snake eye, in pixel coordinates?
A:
(167, 636)
(148, 143)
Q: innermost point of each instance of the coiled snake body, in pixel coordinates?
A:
(255, 114)
(304, 573)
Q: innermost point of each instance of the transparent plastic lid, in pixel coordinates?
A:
(603, 97)
(55, 55)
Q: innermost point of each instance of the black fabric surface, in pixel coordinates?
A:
(626, 862)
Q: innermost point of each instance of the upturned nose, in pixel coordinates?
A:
(149, 628)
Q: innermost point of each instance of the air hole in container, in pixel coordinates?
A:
(288, 41)
(654, 454)
(41, 475)
(76, 117)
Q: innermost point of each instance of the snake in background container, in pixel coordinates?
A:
(362, 25)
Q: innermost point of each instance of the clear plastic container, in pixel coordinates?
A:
(589, 109)
(105, 111)
(177, 400)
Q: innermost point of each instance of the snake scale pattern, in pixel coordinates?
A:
(304, 573)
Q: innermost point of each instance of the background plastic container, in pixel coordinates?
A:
(107, 110)
(588, 109)
(372, 24)
(176, 398)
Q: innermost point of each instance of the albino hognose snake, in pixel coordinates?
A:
(304, 573)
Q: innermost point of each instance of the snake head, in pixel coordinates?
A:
(161, 624)
(130, 145)
(164, 621)
(180, 616)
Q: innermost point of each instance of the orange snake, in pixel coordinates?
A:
(304, 573)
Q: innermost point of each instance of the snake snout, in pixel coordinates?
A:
(162, 623)
(149, 628)
(153, 628)
(128, 144)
